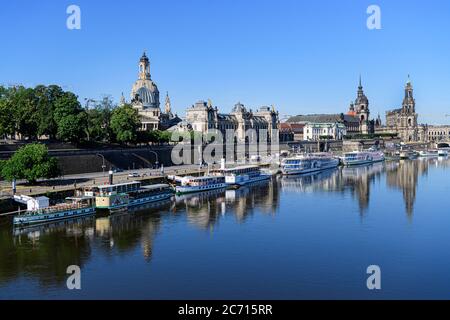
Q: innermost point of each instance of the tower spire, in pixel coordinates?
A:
(168, 107)
(144, 67)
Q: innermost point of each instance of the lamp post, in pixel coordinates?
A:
(103, 165)
(156, 155)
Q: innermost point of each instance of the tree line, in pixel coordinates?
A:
(49, 112)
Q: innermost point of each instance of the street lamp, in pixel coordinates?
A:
(156, 155)
(103, 165)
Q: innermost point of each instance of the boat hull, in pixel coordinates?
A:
(360, 162)
(242, 180)
(192, 189)
(149, 199)
(288, 172)
(55, 216)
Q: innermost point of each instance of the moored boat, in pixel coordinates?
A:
(120, 196)
(242, 175)
(198, 184)
(309, 163)
(407, 154)
(428, 153)
(39, 210)
(442, 153)
(149, 194)
(362, 157)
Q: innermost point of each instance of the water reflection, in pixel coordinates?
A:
(403, 175)
(356, 180)
(43, 253)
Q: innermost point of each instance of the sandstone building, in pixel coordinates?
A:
(145, 98)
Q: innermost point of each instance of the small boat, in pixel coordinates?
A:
(362, 157)
(442, 153)
(39, 210)
(198, 184)
(308, 163)
(243, 175)
(428, 153)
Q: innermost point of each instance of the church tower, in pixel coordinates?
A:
(145, 96)
(122, 101)
(144, 68)
(361, 109)
(408, 118)
(409, 103)
(167, 105)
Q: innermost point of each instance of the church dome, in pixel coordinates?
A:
(147, 97)
(362, 99)
(239, 108)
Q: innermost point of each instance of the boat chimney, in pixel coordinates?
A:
(111, 180)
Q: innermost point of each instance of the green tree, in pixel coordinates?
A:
(70, 118)
(23, 104)
(30, 162)
(3, 92)
(7, 122)
(47, 97)
(98, 121)
(164, 136)
(125, 124)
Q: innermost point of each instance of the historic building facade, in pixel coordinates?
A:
(145, 99)
(355, 121)
(403, 121)
(204, 117)
(319, 131)
(438, 133)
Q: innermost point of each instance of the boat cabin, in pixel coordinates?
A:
(112, 189)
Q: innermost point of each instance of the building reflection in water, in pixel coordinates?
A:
(205, 209)
(123, 232)
(358, 180)
(355, 180)
(44, 252)
(404, 176)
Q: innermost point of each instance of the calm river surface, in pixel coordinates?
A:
(306, 237)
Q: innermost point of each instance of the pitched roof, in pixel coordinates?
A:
(322, 118)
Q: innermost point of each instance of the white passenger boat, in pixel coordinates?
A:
(243, 175)
(362, 157)
(39, 210)
(442, 153)
(428, 153)
(198, 184)
(308, 163)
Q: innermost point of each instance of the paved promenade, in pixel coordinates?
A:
(71, 182)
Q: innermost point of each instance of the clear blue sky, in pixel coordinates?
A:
(302, 56)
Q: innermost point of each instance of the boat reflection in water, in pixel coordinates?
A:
(205, 209)
(159, 250)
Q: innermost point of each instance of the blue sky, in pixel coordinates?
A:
(301, 56)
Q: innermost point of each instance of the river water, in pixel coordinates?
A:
(304, 237)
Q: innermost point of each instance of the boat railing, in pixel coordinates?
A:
(55, 208)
